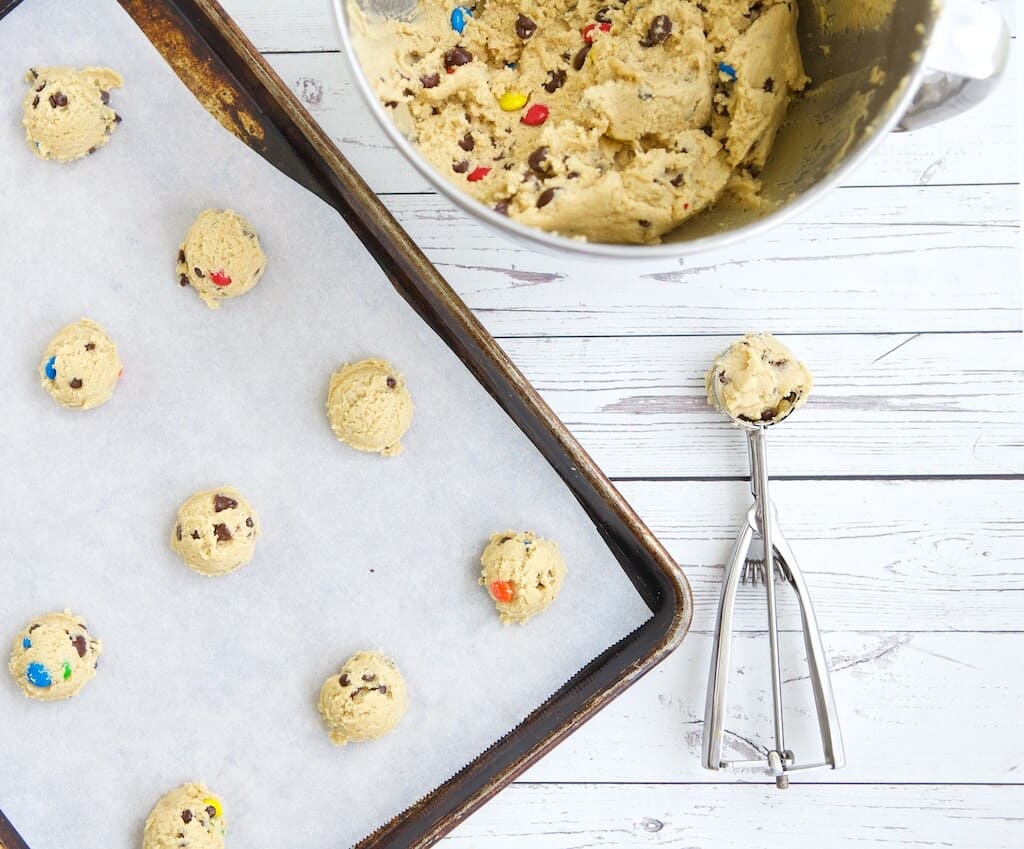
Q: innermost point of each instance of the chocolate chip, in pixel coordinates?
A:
(177, 532)
(248, 522)
(581, 57)
(391, 104)
(90, 346)
(221, 532)
(792, 396)
(430, 80)
(35, 101)
(223, 502)
(659, 30)
(91, 151)
(117, 118)
(457, 56)
(501, 207)
(186, 816)
(406, 92)
(777, 363)
(601, 15)
(75, 383)
(545, 198)
(183, 280)
(41, 86)
(194, 535)
(392, 383)
(78, 641)
(769, 85)
(212, 811)
(572, 175)
(383, 688)
(34, 73)
(504, 540)
(538, 161)
(525, 27)
(644, 223)
(344, 679)
(368, 677)
(198, 272)
(768, 415)
(58, 98)
(555, 80)
(30, 630)
(466, 142)
(461, 167)
(677, 181)
(105, 97)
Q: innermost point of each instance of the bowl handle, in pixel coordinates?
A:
(964, 62)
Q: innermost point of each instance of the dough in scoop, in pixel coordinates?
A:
(54, 656)
(756, 379)
(363, 701)
(65, 113)
(80, 366)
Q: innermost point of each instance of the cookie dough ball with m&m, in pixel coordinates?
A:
(369, 407)
(221, 257)
(187, 817)
(365, 700)
(54, 657)
(216, 531)
(523, 574)
(66, 113)
(80, 367)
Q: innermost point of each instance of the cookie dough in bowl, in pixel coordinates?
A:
(80, 367)
(66, 112)
(610, 122)
(216, 531)
(365, 700)
(369, 406)
(522, 573)
(757, 379)
(187, 817)
(54, 656)
(221, 257)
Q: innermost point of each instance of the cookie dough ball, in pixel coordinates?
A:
(522, 573)
(221, 256)
(80, 366)
(365, 700)
(54, 656)
(216, 531)
(369, 407)
(187, 817)
(66, 115)
(757, 379)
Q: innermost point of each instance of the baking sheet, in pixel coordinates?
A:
(217, 679)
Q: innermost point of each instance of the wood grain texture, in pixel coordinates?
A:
(880, 556)
(906, 703)
(308, 25)
(943, 154)
(909, 404)
(531, 816)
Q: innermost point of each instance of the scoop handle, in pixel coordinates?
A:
(964, 62)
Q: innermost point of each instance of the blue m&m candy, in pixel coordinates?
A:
(51, 372)
(458, 18)
(37, 675)
(26, 643)
(728, 70)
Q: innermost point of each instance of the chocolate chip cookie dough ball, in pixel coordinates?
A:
(363, 701)
(66, 112)
(757, 379)
(221, 257)
(187, 817)
(54, 656)
(369, 407)
(522, 573)
(216, 531)
(80, 366)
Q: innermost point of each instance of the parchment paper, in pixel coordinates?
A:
(217, 679)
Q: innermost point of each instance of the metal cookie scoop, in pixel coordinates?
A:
(761, 518)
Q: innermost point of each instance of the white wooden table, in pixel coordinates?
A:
(901, 484)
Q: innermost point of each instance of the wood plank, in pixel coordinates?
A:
(862, 261)
(545, 816)
(977, 148)
(880, 556)
(901, 405)
(308, 24)
(913, 707)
